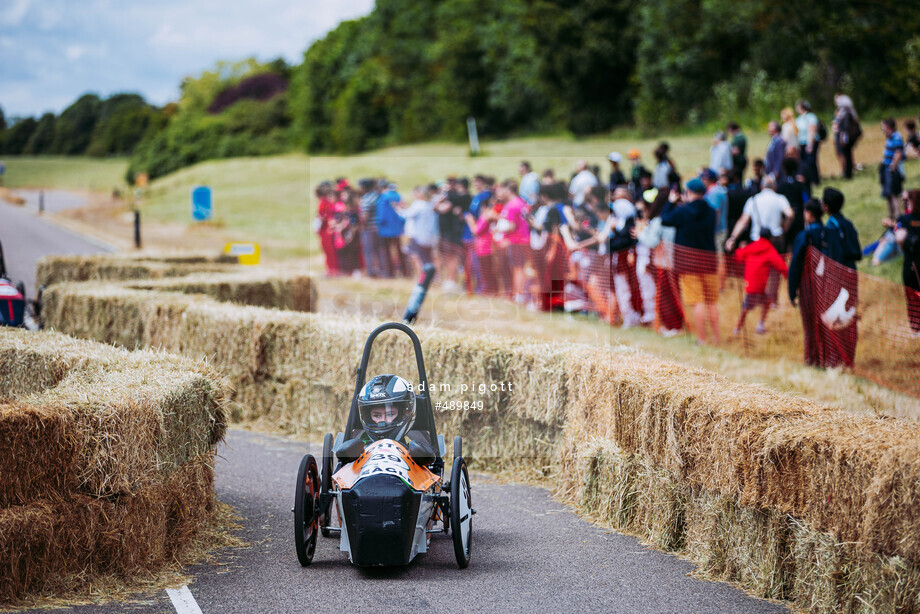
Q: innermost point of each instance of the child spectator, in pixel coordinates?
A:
(482, 187)
(755, 182)
(346, 229)
(482, 229)
(421, 228)
(323, 224)
(370, 242)
(660, 239)
(891, 170)
(555, 265)
(758, 257)
(516, 232)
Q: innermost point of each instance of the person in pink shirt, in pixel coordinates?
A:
(482, 229)
(513, 224)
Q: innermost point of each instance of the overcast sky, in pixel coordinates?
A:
(52, 51)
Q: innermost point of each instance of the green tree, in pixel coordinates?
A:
(198, 92)
(123, 121)
(42, 139)
(321, 78)
(75, 125)
(17, 135)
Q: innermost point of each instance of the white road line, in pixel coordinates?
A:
(183, 601)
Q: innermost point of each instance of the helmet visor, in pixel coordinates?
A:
(381, 416)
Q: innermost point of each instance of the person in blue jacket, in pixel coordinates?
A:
(390, 228)
(695, 257)
(803, 282)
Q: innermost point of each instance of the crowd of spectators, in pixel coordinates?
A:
(637, 245)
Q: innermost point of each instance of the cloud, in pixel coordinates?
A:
(60, 49)
(14, 12)
(74, 52)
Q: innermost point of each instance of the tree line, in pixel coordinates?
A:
(90, 126)
(414, 70)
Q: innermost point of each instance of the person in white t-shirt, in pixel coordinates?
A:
(581, 183)
(530, 183)
(421, 227)
(766, 209)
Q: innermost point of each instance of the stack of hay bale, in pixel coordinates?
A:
(790, 498)
(220, 277)
(57, 269)
(106, 463)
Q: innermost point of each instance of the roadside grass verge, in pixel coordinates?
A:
(65, 173)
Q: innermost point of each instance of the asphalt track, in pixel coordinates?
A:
(529, 553)
(26, 236)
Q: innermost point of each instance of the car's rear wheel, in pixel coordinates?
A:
(461, 512)
(306, 502)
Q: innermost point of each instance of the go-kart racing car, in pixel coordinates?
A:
(12, 298)
(387, 495)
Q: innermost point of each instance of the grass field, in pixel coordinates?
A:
(67, 173)
(255, 199)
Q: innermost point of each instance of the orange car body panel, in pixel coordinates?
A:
(386, 457)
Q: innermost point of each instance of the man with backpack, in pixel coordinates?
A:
(803, 284)
(842, 333)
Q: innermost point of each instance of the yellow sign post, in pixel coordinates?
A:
(248, 253)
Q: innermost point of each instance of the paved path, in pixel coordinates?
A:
(530, 554)
(26, 236)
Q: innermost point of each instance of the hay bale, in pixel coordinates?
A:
(54, 545)
(270, 288)
(626, 492)
(741, 544)
(40, 452)
(771, 554)
(282, 373)
(119, 267)
(127, 415)
(106, 464)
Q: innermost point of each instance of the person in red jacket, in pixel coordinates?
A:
(323, 224)
(758, 258)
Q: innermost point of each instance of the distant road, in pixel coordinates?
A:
(26, 236)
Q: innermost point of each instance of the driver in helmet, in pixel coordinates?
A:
(386, 408)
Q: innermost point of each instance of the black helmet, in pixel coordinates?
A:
(386, 406)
